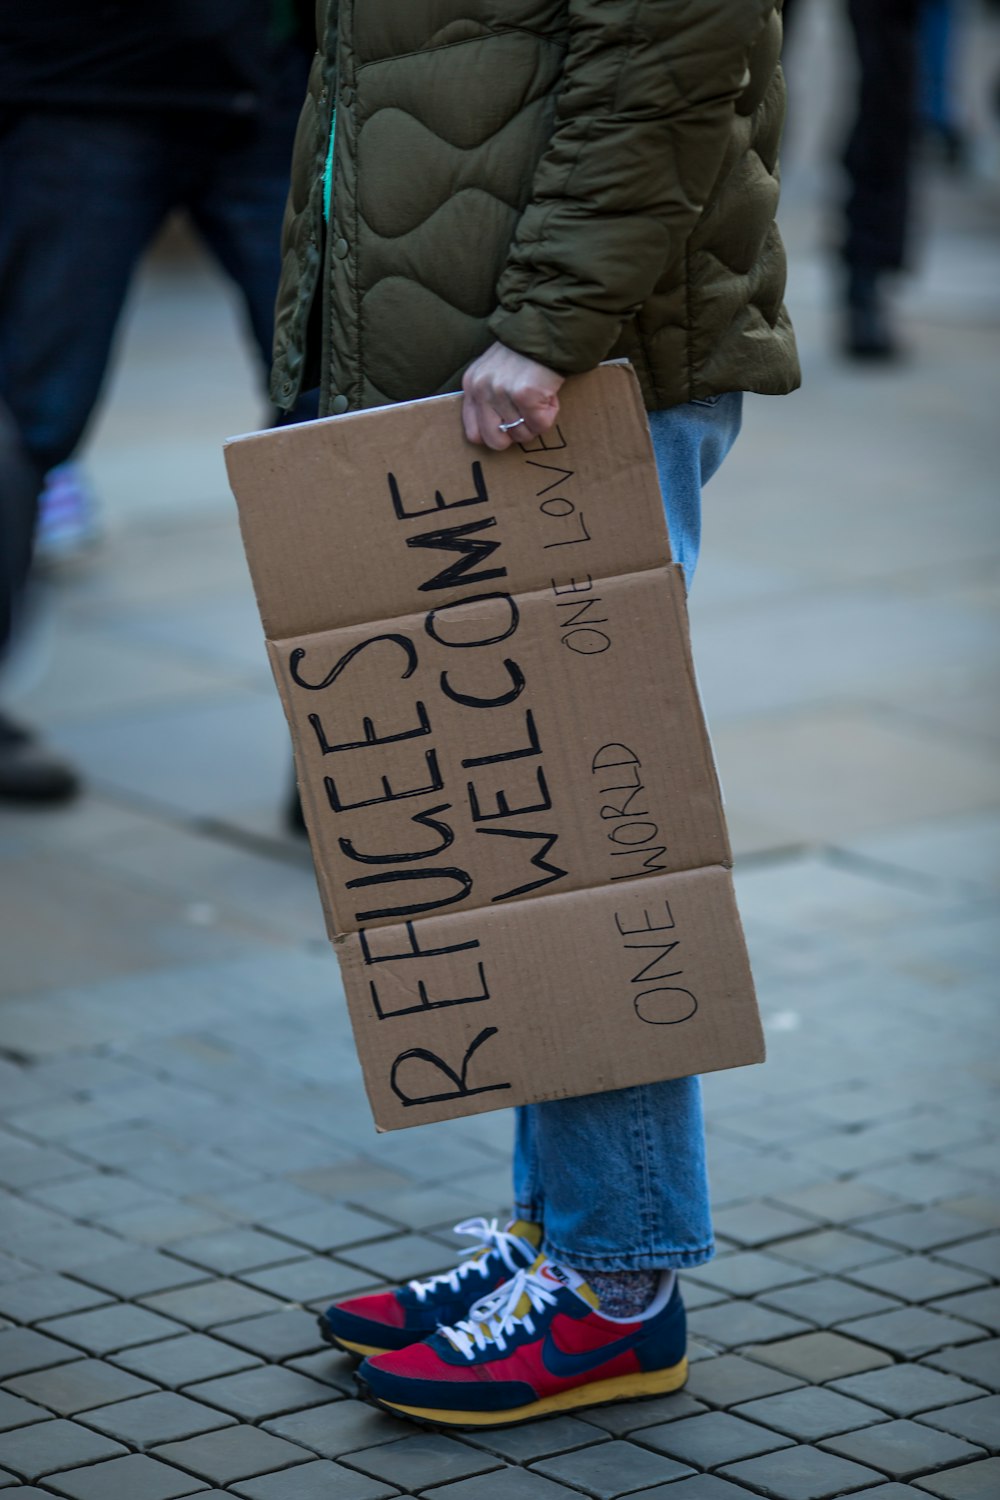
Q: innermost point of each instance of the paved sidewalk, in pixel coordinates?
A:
(187, 1162)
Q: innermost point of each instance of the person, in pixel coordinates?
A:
(113, 115)
(498, 198)
(878, 162)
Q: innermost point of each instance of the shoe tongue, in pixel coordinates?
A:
(565, 1276)
(527, 1231)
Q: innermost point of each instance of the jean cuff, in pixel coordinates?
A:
(629, 1260)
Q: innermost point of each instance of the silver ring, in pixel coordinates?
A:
(509, 426)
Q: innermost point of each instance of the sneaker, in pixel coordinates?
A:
(393, 1320)
(537, 1345)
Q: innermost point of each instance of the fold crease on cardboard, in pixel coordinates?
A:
(507, 779)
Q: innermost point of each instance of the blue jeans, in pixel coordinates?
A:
(618, 1180)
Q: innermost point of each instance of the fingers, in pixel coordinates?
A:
(503, 388)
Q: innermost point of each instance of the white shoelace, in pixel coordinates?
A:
(495, 1317)
(490, 1237)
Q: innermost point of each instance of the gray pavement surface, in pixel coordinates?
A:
(187, 1163)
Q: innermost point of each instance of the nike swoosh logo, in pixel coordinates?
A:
(564, 1364)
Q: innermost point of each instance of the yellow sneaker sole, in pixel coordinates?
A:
(597, 1393)
(363, 1351)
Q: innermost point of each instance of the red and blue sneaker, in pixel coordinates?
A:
(538, 1344)
(392, 1320)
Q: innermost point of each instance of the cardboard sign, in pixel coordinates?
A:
(506, 776)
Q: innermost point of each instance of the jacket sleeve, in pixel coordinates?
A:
(642, 122)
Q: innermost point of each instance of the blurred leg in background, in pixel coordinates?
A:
(101, 144)
(878, 159)
(82, 196)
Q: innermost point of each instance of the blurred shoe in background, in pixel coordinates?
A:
(868, 324)
(29, 772)
(68, 520)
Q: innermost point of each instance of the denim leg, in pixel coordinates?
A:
(619, 1179)
(237, 201)
(82, 193)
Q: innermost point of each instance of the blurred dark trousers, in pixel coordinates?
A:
(879, 150)
(83, 193)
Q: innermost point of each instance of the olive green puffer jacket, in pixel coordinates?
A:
(579, 179)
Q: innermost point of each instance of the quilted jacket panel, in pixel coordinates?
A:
(577, 178)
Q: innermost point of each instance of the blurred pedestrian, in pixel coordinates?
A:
(878, 159)
(114, 115)
(511, 195)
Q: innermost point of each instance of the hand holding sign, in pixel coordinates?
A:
(503, 388)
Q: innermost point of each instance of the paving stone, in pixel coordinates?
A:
(269, 1391)
(730, 1379)
(802, 1473)
(696, 1294)
(136, 1477)
(906, 1389)
(976, 1421)
(72, 1388)
(95, 1196)
(911, 1331)
(827, 1301)
(330, 1368)
(903, 1448)
(612, 1469)
(182, 1361)
(16, 1412)
(890, 1490)
(108, 1329)
(504, 1484)
(24, 1166)
(400, 1259)
(211, 1303)
(24, 1349)
(753, 1224)
(139, 1273)
(277, 1336)
(31, 1298)
(978, 1481)
(628, 1416)
(314, 1279)
(164, 1224)
(917, 1278)
(978, 1255)
(422, 1459)
(45, 1447)
(982, 1209)
(192, 1174)
(64, 1246)
(320, 1480)
(232, 1453)
(265, 1203)
(832, 1250)
(818, 1357)
(920, 1229)
(737, 1323)
(839, 1202)
(540, 1439)
(707, 1442)
(748, 1272)
(163, 1417)
(698, 1487)
(233, 1250)
(979, 1362)
(980, 1307)
(333, 1227)
(339, 1428)
(810, 1412)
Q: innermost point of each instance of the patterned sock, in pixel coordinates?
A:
(624, 1294)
